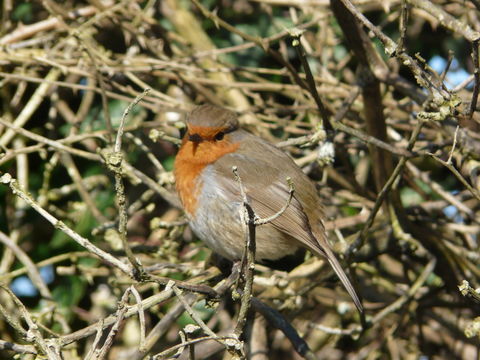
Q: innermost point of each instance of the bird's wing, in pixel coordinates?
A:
(267, 190)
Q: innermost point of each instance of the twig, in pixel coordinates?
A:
(79, 184)
(12, 153)
(54, 259)
(439, 189)
(467, 290)
(163, 354)
(120, 314)
(55, 144)
(114, 161)
(110, 320)
(11, 320)
(291, 191)
(148, 152)
(396, 305)
(111, 94)
(8, 180)
(84, 42)
(141, 316)
(373, 140)
(50, 347)
(447, 20)
(259, 339)
(198, 288)
(165, 323)
(403, 25)
(17, 348)
(276, 319)
(297, 45)
(251, 221)
(236, 345)
(154, 185)
(248, 259)
(26, 31)
(188, 330)
(258, 41)
(449, 160)
(29, 108)
(33, 272)
(95, 342)
(476, 75)
(163, 326)
(391, 48)
(459, 176)
(444, 73)
(383, 193)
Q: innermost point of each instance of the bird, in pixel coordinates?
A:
(211, 196)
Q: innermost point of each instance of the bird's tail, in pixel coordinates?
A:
(343, 278)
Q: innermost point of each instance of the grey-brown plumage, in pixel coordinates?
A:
(215, 215)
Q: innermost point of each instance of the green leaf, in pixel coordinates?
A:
(23, 12)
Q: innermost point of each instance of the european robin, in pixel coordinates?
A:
(212, 199)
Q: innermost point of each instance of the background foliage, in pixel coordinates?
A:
(399, 85)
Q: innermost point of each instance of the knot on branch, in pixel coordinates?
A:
(113, 159)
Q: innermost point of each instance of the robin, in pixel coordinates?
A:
(212, 199)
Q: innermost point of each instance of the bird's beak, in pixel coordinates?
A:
(195, 146)
(196, 140)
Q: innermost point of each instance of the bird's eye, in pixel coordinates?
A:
(219, 135)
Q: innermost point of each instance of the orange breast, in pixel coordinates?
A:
(191, 159)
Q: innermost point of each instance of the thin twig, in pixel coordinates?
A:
(238, 344)
(449, 160)
(476, 75)
(120, 314)
(115, 161)
(383, 193)
(276, 319)
(29, 108)
(297, 45)
(291, 191)
(50, 347)
(33, 272)
(248, 259)
(459, 176)
(396, 305)
(8, 180)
